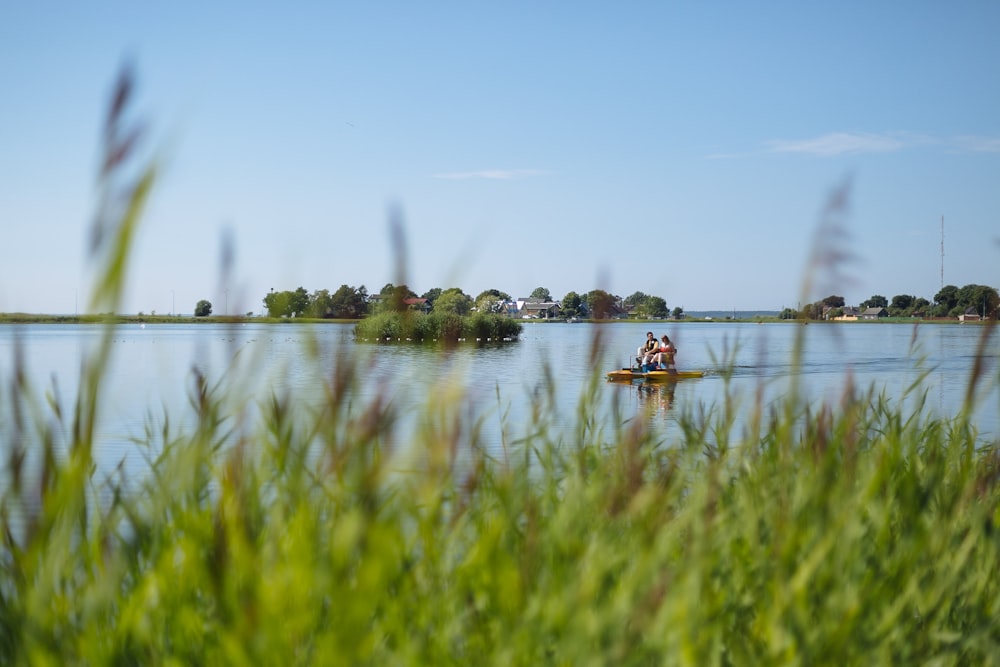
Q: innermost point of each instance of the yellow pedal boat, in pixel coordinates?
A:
(630, 374)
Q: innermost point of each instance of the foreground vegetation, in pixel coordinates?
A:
(852, 534)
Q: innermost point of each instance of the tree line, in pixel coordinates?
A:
(350, 302)
(950, 301)
(355, 303)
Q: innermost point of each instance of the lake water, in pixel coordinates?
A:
(151, 370)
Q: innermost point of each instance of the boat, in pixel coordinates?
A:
(630, 374)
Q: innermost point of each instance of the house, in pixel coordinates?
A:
(617, 312)
(416, 303)
(969, 315)
(874, 313)
(411, 303)
(542, 310)
(508, 308)
(847, 314)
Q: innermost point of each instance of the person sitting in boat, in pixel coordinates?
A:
(664, 356)
(644, 354)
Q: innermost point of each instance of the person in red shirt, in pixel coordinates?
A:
(664, 357)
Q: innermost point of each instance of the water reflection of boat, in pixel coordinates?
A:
(662, 393)
(630, 374)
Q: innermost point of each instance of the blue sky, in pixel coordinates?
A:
(682, 149)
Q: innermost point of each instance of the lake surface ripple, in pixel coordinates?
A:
(151, 371)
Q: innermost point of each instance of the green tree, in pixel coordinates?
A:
(979, 298)
(279, 304)
(601, 304)
(299, 302)
(431, 295)
(541, 293)
(678, 313)
(876, 301)
(636, 299)
(572, 305)
(834, 301)
(491, 301)
(901, 304)
(321, 304)
(393, 298)
(276, 303)
(494, 293)
(453, 300)
(288, 304)
(646, 306)
(203, 308)
(945, 300)
(656, 307)
(349, 302)
(638, 302)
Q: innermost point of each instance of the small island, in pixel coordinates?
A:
(416, 327)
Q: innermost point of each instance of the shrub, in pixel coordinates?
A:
(435, 327)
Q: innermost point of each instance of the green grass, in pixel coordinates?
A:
(849, 534)
(854, 534)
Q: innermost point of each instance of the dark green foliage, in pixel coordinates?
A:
(203, 308)
(601, 304)
(646, 306)
(541, 293)
(436, 327)
(876, 301)
(293, 303)
(573, 305)
(454, 301)
(981, 299)
(834, 301)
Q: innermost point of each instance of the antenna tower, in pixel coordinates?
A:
(942, 252)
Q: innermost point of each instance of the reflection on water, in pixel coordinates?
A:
(652, 397)
(151, 373)
(657, 397)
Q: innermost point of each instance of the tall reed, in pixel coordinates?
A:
(849, 533)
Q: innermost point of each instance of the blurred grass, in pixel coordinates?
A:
(849, 534)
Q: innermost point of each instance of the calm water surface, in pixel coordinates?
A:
(151, 373)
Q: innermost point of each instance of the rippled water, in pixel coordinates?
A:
(151, 373)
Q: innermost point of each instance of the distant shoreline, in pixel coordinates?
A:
(26, 318)
(690, 318)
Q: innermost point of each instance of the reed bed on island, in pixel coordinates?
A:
(854, 533)
(448, 328)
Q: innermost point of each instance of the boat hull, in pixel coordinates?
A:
(630, 374)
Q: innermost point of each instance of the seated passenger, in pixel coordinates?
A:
(664, 356)
(644, 354)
